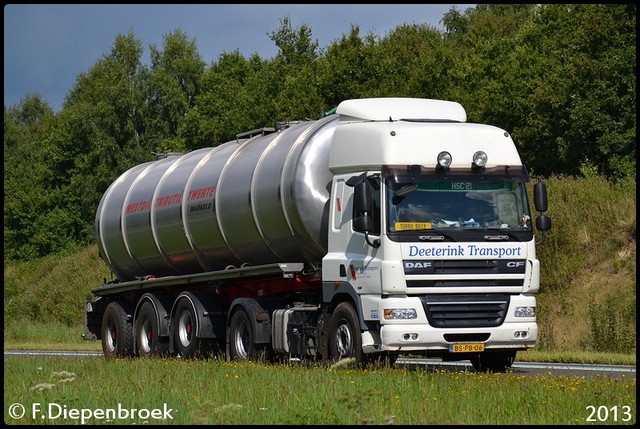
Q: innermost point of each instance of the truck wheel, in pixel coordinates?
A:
(493, 361)
(186, 343)
(117, 332)
(345, 340)
(146, 332)
(241, 345)
(185, 340)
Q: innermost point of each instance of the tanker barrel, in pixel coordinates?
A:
(262, 198)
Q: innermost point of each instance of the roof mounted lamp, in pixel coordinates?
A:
(444, 161)
(479, 160)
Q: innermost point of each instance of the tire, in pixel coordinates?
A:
(117, 332)
(147, 333)
(493, 361)
(242, 338)
(186, 343)
(345, 339)
(184, 332)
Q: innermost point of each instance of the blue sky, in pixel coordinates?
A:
(46, 46)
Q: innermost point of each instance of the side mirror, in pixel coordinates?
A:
(543, 222)
(540, 196)
(362, 197)
(363, 223)
(363, 203)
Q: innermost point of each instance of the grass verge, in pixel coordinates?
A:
(174, 391)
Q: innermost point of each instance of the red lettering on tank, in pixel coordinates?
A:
(138, 206)
(168, 200)
(206, 192)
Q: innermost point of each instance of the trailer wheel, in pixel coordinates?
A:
(146, 332)
(345, 340)
(117, 332)
(242, 344)
(185, 340)
(493, 361)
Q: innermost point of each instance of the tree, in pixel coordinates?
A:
(295, 46)
(583, 103)
(414, 62)
(559, 77)
(220, 110)
(174, 83)
(98, 135)
(294, 68)
(240, 94)
(27, 179)
(350, 68)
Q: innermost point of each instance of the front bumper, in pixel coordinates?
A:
(421, 338)
(418, 335)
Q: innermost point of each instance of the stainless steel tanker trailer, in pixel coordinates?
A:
(389, 227)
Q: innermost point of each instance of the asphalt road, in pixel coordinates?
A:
(533, 368)
(520, 368)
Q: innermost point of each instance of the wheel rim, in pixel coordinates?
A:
(146, 336)
(343, 340)
(111, 336)
(241, 340)
(185, 329)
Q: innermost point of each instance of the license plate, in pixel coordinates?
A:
(466, 348)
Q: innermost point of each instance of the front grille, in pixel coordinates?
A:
(470, 268)
(466, 283)
(465, 310)
(466, 267)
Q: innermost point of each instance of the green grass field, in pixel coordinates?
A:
(99, 391)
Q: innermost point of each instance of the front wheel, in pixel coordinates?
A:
(493, 361)
(345, 339)
(117, 332)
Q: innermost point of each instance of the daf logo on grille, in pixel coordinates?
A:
(418, 267)
(416, 264)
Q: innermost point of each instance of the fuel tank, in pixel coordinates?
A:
(251, 201)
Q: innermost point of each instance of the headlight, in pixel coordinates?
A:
(400, 313)
(525, 312)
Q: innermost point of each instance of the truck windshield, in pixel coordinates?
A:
(457, 203)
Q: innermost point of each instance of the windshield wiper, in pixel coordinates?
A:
(399, 194)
